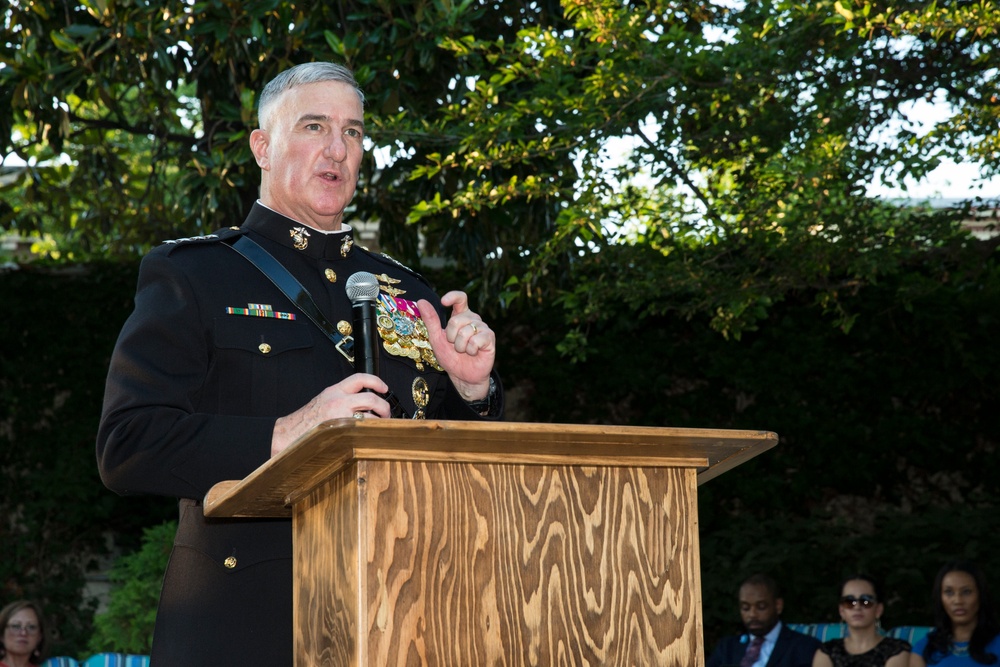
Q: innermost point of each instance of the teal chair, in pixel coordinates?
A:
(821, 631)
(910, 633)
(116, 660)
(61, 661)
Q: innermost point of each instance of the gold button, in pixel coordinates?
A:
(344, 327)
(230, 562)
(264, 348)
(331, 275)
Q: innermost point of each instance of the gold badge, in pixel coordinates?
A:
(421, 392)
(331, 275)
(299, 237)
(388, 286)
(391, 291)
(346, 246)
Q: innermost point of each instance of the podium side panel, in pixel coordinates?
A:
(326, 582)
(494, 564)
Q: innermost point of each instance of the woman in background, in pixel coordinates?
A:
(965, 630)
(863, 646)
(23, 635)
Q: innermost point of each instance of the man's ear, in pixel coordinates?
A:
(260, 141)
(779, 605)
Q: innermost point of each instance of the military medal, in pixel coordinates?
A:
(421, 396)
(260, 310)
(403, 332)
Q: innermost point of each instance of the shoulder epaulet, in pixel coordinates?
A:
(221, 235)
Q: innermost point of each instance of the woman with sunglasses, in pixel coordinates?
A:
(864, 645)
(23, 635)
(966, 632)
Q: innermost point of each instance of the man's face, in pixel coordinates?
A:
(311, 153)
(759, 609)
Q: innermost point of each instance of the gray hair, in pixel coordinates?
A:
(298, 76)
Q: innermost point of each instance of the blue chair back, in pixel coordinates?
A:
(910, 633)
(821, 631)
(61, 661)
(116, 660)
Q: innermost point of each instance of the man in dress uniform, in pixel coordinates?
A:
(767, 641)
(218, 369)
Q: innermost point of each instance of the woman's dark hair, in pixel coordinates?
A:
(861, 576)
(940, 638)
(38, 656)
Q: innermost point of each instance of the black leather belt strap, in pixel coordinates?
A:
(294, 290)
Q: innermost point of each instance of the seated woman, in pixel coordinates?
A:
(864, 645)
(23, 634)
(965, 630)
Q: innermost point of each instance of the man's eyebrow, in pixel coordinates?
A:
(314, 117)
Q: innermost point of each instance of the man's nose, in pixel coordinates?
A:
(336, 148)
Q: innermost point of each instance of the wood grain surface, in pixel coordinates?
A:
(272, 489)
(439, 563)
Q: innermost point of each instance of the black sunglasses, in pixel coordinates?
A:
(865, 601)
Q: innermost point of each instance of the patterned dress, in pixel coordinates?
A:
(876, 657)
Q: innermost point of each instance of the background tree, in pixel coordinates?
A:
(154, 105)
(757, 131)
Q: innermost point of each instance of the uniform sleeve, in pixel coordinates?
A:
(455, 407)
(152, 437)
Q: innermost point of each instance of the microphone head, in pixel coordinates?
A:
(362, 286)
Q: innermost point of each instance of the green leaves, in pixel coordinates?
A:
(127, 624)
(689, 127)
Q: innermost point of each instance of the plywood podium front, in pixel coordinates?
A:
(482, 543)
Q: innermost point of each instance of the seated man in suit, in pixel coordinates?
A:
(767, 642)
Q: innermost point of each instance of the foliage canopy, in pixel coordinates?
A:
(519, 139)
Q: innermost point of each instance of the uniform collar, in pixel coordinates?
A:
(301, 238)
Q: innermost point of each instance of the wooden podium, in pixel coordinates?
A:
(484, 543)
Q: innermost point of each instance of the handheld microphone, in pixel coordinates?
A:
(362, 290)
